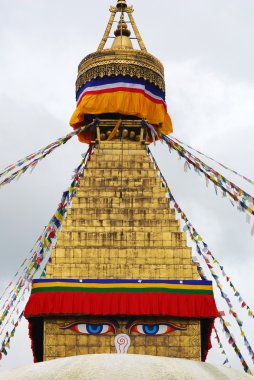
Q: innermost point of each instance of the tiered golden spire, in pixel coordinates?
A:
(122, 29)
(122, 33)
(122, 7)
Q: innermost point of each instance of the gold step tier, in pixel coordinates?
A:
(120, 224)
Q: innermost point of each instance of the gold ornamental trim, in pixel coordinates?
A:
(116, 62)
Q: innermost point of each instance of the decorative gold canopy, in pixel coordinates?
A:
(121, 58)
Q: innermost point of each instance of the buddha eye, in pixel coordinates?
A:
(154, 328)
(90, 328)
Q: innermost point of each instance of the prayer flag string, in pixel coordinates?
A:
(212, 159)
(244, 200)
(196, 237)
(204, 253)
(33, 159)
(13, 303)
(226, 361)
(232, 342)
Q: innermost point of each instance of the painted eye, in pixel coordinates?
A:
(154, 328)
(90, 328)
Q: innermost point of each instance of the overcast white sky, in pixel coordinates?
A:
(208, 53)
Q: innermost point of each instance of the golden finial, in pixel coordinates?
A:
(121, 4)
(122, 29)
(122, 33)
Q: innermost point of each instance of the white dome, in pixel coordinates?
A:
(123, 367)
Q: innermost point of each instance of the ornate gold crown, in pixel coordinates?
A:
(121, 58)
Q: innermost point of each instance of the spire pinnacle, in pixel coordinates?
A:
(122, 29)
(121, 4)
(122, 34)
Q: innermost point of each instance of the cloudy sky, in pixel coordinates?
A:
(206, 47)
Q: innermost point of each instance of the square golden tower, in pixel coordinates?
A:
(121, 268)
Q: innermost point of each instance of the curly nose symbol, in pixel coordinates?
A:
(122, 343)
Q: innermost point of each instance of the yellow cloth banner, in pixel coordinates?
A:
(125, 103)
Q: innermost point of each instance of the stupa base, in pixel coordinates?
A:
(124, 367)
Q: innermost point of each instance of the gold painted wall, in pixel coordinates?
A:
(120, 226)
(179, 344)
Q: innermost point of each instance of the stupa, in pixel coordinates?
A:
(121, 277)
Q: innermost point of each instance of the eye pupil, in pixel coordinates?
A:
(94, 328)
(151, 329)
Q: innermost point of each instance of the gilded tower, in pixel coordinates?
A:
(121, 277)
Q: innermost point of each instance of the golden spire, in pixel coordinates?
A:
(122, 7)
(122, 28)
(122, 33)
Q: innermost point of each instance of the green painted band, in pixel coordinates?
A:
(120, 290)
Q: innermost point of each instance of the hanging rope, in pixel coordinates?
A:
(115, 130)
(33, 159)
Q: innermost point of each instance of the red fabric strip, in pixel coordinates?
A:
(178, 305)
(123, 89)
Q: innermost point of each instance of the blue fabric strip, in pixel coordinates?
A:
(120, 78)
(109, 281)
